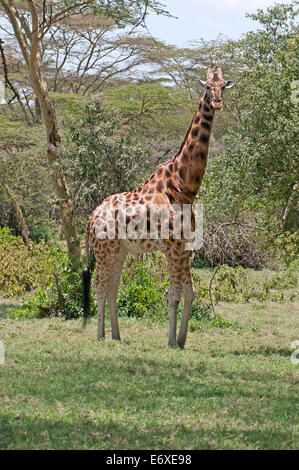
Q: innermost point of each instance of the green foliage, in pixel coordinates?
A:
(24, 169)
(139, 296)
(231, 285)
(286, 248)
(142, 295)
(69, 107)
(103, 158)
(13, 133)
(25, 267)
(151, 107)
(253, 179)
(45, 302)
(200, 314)
(282, 280)
(239, 285)
(46, 232)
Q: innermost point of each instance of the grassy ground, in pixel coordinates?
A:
(232, 388)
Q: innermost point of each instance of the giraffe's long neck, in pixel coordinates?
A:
(190, 162)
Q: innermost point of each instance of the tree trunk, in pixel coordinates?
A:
(32, 58)
(20, 216)
(38, 111)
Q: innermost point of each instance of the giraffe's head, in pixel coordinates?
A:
(215, 86)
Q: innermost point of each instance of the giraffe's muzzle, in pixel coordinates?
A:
(217, 104)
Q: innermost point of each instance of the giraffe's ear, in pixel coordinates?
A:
(230, 84)
(201, 83)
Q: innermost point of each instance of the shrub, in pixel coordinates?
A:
(25, 267)
(282, 280)
(286, 248)
(238, 285)
(139, 296)
(231, 285)
(45, 302)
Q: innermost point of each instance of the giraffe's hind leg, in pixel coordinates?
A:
(112, 294)
(100, 286)
(106, 257)
(175, 272)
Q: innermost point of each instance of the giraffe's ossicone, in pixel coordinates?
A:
(152, 218)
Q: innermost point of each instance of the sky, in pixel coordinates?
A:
(205, 19)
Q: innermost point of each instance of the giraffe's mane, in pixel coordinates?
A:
(185, 138)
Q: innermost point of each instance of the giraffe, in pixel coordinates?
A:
(175, 183)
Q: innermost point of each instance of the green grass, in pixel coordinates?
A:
(231, 388)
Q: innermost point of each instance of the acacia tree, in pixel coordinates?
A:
(84, 52)
(30, 22)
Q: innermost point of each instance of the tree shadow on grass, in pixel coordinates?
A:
(146, 403)
(85, 433)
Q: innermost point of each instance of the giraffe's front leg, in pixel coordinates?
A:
(174, 299)
(101, 317)
(101, 284)
(188, 299)
(174, 265)
(112, 294)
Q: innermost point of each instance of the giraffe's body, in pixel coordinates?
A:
(173, 184)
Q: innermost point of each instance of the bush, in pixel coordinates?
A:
(238, 285)
(45, 302)
(139, 296)
(231, 285)
(286, 248)
(25, 267)
(282, 280)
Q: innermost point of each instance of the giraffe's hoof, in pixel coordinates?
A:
(101, 338)
(181, 342)
(172, 344)
(116, 338)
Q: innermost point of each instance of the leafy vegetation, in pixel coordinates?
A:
(25, 267)
(102, 158)
(237, 284)
(139, 295)
(255, 177)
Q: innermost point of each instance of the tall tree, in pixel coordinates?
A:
(31, 22)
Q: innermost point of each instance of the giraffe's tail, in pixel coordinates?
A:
(86, 278)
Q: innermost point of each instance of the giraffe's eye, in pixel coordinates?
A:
(208, 88)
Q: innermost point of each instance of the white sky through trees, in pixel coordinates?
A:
(204, 19)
